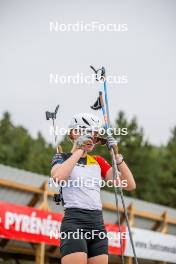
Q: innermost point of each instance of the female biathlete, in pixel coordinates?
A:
(83, 208)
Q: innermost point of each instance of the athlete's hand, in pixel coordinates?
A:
(84, 142)
(112, 143)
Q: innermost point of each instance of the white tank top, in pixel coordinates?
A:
(82, 189)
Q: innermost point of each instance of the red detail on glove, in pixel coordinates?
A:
(104, 165)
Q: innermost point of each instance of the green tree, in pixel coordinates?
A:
(19, 149)
(168, 183)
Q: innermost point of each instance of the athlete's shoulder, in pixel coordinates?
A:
(104, 165)
(100, 159)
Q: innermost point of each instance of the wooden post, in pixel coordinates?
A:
(164, 228)
(131, 216)
(161, 225)
(128, 260)
(40, 251)
(40, 254)
(44, 203)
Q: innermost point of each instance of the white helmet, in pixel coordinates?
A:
(85, 121)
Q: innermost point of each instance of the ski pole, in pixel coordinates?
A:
(116, 171)
(103, 109)
(115, 168)
(115, 176)
(100, 105)
(52, 115)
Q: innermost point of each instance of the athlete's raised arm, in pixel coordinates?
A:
(62, 171)
(125, 173)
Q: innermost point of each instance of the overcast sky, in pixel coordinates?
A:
(145, 53)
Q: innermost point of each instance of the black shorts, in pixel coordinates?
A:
(83, 230)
